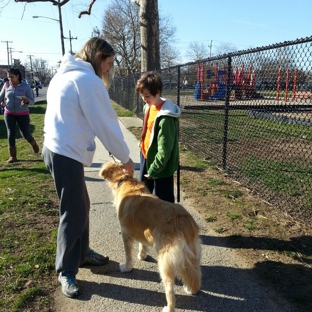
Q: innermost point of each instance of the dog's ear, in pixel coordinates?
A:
(102, 172)
(105, 170)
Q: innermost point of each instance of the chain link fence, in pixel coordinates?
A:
(248, 112)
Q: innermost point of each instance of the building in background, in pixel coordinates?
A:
(4, 68)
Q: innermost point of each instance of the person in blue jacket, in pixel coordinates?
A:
(17, 96)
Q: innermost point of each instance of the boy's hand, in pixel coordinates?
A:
(147, 176)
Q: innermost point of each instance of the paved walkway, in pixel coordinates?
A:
(228, 284)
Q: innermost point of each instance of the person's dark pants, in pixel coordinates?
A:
(162, 187)
(73, 230)
(23, 124)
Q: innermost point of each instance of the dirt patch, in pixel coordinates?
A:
(277, 247)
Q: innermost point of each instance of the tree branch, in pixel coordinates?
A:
(54, 2)
(60, 4)
(89, 9)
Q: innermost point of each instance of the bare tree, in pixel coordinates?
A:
(39, 68)
(225, 48)
(168, 55)
(95, 32)
(197, 51)
(121, 28)
(166, 32)
(16, 62)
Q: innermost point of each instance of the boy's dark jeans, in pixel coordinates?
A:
(163, 187)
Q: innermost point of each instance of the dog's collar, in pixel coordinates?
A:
(121, 181)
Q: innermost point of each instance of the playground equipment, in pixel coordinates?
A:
(278, 87)
(216, 90)
(220, 86)
(244, 86)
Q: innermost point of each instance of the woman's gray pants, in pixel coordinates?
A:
(73, 231)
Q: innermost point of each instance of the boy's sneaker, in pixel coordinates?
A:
(70, 287)
(94, 258)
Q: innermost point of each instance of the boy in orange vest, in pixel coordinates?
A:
(159, 155)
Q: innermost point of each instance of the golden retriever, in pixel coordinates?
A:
(151, 221)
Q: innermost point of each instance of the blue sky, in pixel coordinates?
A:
(244, 24)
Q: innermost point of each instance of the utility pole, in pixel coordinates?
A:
(210, 46)
(11, 51)
(61, 27)
(70, 41)
(7, 42)
(31, 68)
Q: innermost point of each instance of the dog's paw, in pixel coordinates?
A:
(125, 268)
(166, 309)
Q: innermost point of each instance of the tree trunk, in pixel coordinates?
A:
(149, 18)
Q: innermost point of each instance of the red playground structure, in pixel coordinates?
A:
(278, 86)
(216, 87)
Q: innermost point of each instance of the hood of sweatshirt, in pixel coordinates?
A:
(168, 109)
(70, 63)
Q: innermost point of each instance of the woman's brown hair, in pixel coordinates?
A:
(94, 51)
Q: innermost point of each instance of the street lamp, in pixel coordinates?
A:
(61, 26)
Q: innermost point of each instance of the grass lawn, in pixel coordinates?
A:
(28, 222)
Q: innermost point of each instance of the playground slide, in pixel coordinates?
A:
(197, 91)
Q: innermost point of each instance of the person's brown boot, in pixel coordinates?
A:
(35, 146)
(12, 152)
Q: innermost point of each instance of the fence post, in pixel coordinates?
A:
(178, 130)
(226, 111)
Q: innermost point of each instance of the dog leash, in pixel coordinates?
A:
(111, 155)
(126, 176)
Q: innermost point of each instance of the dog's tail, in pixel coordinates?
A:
(191, 272)
(182, 258)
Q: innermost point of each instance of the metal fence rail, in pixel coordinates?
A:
(250, 113)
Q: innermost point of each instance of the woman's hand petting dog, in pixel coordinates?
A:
(129, 167)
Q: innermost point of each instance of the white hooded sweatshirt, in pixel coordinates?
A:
(79, 109)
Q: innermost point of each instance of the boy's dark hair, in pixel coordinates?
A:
(150, 81)
(16, 72)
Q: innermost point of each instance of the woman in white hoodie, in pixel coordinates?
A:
(79, 109)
